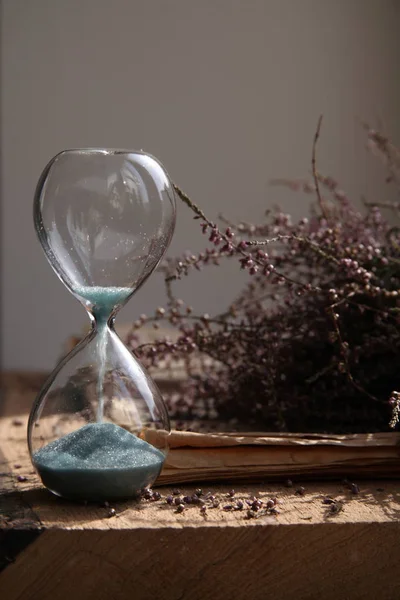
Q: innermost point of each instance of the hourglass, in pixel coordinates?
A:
(99, 428)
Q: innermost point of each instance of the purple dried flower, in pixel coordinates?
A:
(318, 313)
(336, 507)
(256, 505)
(328, 500)
(251, 514)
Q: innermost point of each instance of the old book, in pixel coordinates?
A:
(263, 456)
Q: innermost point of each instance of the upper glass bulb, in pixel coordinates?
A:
(105, 219)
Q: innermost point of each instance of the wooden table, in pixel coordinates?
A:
(52, 549)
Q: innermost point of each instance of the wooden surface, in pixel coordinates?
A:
(53, 549)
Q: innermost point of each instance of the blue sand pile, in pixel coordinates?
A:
(100, 461)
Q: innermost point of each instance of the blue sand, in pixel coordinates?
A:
(103, 299)
(100, 461)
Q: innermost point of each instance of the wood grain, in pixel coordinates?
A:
(259, 562)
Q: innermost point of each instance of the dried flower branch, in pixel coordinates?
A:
(314, 168)
(312, 342)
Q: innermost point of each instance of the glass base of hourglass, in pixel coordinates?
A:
(99, 428)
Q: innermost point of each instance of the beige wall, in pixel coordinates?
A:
(226, 93)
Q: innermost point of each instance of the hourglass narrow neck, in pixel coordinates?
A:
(103, 303)
(102, 322)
